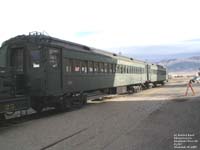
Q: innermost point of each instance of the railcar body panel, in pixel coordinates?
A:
(77, 81)
(161, 74)
(45, 69)
(153, 72)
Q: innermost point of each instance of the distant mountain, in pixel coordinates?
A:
(161, 57)
(191, 64)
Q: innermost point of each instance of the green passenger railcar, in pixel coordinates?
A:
(47, 71)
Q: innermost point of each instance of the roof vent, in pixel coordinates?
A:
(86, 48)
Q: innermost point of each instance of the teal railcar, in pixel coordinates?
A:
(44, 71)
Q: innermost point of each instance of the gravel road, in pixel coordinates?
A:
(148, 120)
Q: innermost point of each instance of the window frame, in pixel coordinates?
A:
(58, 58)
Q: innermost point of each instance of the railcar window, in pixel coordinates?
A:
(163, 72)
(68, 63)
(127, 69)
(118, 69)
(114, 68)
(17, 59)
(154, 71)
(53, 58)
(124, 69)
(121, 69)
(96, 67)
(105, 67)
(35, 56)
(131, 69)
(76, 66)
(84, 66)
(3, 52)
(134, 70)
(101, 67)
(110, 68)
(90, 66)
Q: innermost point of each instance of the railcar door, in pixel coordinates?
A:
(148, 67)
(17, 62)
(54, 76)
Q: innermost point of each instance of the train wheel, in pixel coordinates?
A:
(147, 85)
(140, 88)
(84, 99)
(2, 117)
(64, 105)
(162, 83)
(67, 103)
(37, 104)
(79, 101)
(38, 107)
(154, 84)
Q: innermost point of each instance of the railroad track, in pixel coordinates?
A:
(15, 121)
(29, 115)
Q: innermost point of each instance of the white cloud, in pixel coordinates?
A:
(115, 23)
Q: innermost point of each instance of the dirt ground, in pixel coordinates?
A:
(160, 118)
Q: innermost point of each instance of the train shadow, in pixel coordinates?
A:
(117, 105)
(49, 112)
(146, 127)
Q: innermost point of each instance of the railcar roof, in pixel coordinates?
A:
(97, 51)
(44, 38)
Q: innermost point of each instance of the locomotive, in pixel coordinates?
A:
(38, 71)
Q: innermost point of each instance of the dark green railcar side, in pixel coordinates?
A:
(53, 72)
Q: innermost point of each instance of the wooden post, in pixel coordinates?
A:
(189, 85)
(193, 93)
(186, 92)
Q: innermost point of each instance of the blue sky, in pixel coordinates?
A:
(84, 33)
(135, 27)
(182, 49)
